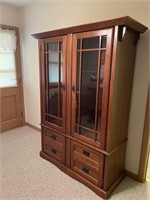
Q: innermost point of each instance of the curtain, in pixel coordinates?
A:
(7, 58)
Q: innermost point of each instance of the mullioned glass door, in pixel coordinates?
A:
(54, 82)
(90, 85)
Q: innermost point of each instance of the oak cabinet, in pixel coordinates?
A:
(86, 75)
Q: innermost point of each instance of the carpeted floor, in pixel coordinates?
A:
(26, 176)
(148, 170)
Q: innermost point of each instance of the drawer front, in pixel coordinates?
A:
(87, 162)
(54, 145)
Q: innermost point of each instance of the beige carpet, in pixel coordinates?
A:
(148, 170)
(26, 176)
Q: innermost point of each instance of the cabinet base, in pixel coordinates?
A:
(100, 192)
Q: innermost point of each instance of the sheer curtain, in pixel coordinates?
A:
(7, 58)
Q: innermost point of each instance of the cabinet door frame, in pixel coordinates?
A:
(106, 79)
(44, 80)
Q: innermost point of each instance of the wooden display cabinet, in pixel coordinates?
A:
(86, 75)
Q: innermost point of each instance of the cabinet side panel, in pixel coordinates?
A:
(114, 166)
(120, 95)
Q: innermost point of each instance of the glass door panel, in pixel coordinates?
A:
(54, 63)
(88, 88)
(89, 67)
(53, 88)
(100, 92)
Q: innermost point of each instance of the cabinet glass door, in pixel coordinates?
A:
(91, 71)
(54, 72)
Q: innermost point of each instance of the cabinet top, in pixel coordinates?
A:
(123, 21)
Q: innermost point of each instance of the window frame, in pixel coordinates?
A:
(17, 54)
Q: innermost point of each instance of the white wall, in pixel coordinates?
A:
(138, 103)
(9, 16)
(44, 16)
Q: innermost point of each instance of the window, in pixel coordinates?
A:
(8, 76)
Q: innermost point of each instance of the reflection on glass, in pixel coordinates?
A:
(53, 64)
(88, 88)
(53, 120)
(88, 108)
(77, 71)
(78, 43)
(103, 42)
(61, 84)
(99, 111)
(60, 46)
(90, 43)
(77, 107)
(53, 83)
(53, 59)
(52, 46)
(77, 84)
(87, 133)
(61, 67)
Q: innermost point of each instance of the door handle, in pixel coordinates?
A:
(73, 88)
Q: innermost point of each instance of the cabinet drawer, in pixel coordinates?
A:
(54, 145)
(87, 162)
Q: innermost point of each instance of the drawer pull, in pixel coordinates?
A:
(86, 170)
(53, 151)
(86, 153)
(53, 137)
